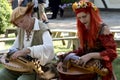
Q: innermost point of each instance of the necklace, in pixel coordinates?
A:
(28, 33)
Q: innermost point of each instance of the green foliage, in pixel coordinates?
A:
(116, 67)
(5, 11)
(68, 1)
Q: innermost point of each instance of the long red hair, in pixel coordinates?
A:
(95, 21)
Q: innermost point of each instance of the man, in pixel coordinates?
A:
(33, 39)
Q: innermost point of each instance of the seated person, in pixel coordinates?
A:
(33, 39)
(96, 41)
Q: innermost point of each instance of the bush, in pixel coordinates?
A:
(68, 1)
(5, 11)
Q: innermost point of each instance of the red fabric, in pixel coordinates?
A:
(108, 55)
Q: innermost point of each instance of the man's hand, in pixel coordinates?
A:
(20, 53)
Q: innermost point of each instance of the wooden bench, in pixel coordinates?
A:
(9, 31)
(2, 42)
(57, 35)
(68, 34)
(116, 33)
(6, 39)
(118, 42)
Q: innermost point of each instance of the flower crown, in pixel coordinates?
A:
(83, 4)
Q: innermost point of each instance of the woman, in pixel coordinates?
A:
(96, 40)
(33, 39)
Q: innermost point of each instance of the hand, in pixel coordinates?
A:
(61, 55)
(20, 53)
(85, 58)
(71, 56)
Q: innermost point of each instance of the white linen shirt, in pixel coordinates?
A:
(44, 52)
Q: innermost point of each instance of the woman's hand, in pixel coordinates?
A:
(85, 58)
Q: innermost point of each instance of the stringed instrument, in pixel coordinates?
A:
(74, 71)
(94, 65)
(27, 64)
(22, 64)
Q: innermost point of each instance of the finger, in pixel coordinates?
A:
(13, 57)
(81, 63)
(84, 63)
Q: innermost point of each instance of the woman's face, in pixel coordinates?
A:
(84, 18)
(23, 22)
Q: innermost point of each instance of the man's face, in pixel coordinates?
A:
(23, 22)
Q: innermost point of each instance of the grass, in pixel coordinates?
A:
(116, 67)
(59, 47)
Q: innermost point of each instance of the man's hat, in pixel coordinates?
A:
(21, 11)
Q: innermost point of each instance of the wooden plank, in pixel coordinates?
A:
(70, 42)
(63, 30)
(65, 38)
(115, 30)
(6, 39)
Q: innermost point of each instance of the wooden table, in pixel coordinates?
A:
(68, 34)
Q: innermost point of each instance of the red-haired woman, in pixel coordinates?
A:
(96, 40)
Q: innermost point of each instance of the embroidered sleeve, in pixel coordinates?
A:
(109, 54)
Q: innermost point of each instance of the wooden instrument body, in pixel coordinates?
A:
(71, 70)
(75, 73)
(21, 65)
